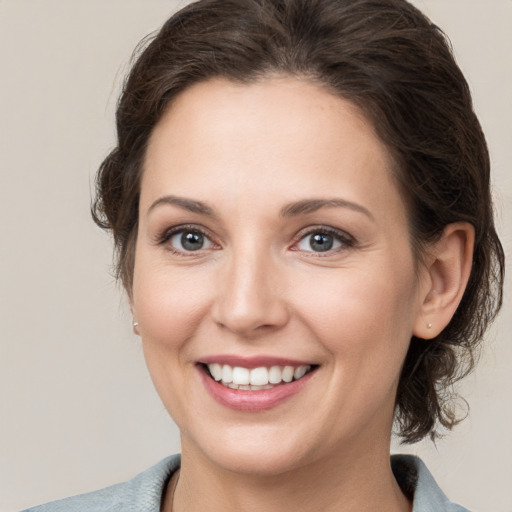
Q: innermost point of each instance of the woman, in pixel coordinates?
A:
(300, 204)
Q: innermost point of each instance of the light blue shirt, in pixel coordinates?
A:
(144, 492)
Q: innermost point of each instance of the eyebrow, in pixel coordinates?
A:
(184, 203)
(302, 207)
(312, 205)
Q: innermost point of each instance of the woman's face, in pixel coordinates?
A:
(272, 235)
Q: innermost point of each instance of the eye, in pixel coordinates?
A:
(189, 240)
(323, 240)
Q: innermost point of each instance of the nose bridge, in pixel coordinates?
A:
(249, 293)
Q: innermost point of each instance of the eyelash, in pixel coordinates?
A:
(346, 241)
(167, 235)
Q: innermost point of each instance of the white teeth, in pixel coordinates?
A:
(275, 375)
(238, 377)
(216, 371)
(299, 372)
(259, 376)
(257, 388)
(249, 387)
(288, 373)
(227, 374)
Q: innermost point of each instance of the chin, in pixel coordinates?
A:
(257, 462)
(253, 452)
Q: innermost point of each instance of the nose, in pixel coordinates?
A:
(250, 298)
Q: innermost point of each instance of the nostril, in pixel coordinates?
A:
(252, 318)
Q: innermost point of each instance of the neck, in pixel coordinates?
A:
(344, 483)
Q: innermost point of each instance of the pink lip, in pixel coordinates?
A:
(252, 401)
(252, 362)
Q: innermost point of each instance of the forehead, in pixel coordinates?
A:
(274, 138)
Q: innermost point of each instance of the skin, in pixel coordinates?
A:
(257, 288)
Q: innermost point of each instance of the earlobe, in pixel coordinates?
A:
(135, 324)
(448, 270)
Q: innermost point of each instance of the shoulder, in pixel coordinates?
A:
(141, 494)
(419, 485)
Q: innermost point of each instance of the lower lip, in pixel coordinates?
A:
(253, 401)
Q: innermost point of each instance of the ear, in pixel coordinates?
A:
(447, 273)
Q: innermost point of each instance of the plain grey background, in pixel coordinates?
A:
(77, 409)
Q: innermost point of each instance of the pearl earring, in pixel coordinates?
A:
(135, 324)
(429, 326)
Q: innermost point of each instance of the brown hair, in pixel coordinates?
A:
(390, 60)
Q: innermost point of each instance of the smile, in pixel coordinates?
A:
(256, 379)
(254, 384)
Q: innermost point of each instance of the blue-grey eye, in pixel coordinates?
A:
(319, 242)
(187, 241)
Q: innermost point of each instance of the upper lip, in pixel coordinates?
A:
(253, 361)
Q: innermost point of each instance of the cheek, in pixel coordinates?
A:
(168, 303)
(361, 314)
(366, 326)
(170, 308)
